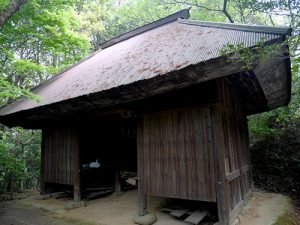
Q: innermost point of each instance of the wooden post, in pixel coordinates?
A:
(77, 188)
(77, 178)
(142, 197)
(219, 165)
(42, 172)
(249, 156)
(118, 188)
(239, 123)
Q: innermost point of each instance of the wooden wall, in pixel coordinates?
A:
(177, 154)
(198, 152)
(232, 149)
(60, 155)
(64, 150)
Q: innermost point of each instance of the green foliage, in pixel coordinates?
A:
(37, 42)
(276, 160)
(259, 127)
(10, 91)
(20, 159)
(3, 4)
(249, 57)
(41, 39)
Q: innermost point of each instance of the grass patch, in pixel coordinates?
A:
(79, 221)
(287, 218)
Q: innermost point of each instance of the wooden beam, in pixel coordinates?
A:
(233, 175)
(275, 81)
(245, 168)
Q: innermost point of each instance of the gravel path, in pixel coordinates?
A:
(14, 214)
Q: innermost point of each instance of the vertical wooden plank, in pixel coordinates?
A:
(239, 158)
(68, 158)
(219, 166)
(77, 180)
(61, 155)
(64, 157)
(43, 160)
(142, 198)
(72, 167)
(178, 160)
(118, 188)
(59, 149)
(210, 152)
(51, 156)
(77, 188)
(248, 152)
(48, 155)
(55, 156)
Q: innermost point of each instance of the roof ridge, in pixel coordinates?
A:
(242, 27)
(184, 14)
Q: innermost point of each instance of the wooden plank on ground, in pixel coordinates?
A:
(98, 194)
(179, 212)
(196, 217)
(166, 209)
(99, 189)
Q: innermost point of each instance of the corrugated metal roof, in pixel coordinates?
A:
(155, 52)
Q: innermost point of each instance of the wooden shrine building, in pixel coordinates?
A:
(163, 101)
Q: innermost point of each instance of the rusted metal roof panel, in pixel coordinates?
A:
(156, 52)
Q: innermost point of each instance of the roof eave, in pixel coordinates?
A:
(250, 28)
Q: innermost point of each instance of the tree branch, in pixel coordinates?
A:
(271, 19)
(192, 4)
(10, 9)
(223, 10)
(226, 12)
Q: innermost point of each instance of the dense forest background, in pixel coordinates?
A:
(40, 38)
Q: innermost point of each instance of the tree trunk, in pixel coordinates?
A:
(10, 9)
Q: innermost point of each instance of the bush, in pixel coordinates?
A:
(276, 161)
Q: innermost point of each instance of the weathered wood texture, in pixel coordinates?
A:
(142, 197)
(276, 87)
(42, 173)
(218, 141)
(60, 155)
(236, 146)
(177, 154)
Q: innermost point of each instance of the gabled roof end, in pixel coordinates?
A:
(183, 14)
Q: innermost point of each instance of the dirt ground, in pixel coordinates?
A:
(263, 209)
(12, 213)
(109, 210)
(266, 208)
